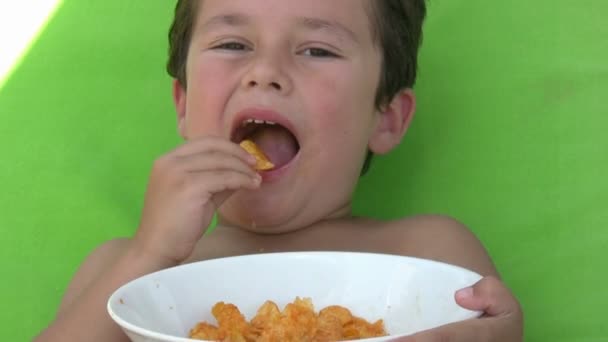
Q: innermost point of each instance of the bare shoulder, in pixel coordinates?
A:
(441, 238)
(94, 264)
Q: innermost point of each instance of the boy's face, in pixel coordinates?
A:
(309, 66)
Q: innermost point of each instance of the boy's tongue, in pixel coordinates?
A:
(278, 144)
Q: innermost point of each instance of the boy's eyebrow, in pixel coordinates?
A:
(307, 22)
(225, 19)
(332, 26)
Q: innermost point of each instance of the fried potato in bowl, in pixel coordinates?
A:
(298, 322)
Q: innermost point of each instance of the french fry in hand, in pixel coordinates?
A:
(262, 161)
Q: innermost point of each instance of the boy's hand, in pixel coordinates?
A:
(502, 320)
(186, 186)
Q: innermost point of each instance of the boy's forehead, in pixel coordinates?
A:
(351, 17)
(290, 6)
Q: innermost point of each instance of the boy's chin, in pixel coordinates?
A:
(260, 212)
(259, 224)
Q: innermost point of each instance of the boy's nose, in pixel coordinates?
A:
(267, 74)
(275, 85)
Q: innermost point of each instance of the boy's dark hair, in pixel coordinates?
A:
(397, 29)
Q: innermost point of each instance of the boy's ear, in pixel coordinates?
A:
(392, 122)
(179, 99)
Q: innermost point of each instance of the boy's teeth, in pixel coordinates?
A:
(259, 122)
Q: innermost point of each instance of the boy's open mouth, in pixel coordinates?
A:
(278, 143)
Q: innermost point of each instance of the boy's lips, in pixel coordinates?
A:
(271, 131)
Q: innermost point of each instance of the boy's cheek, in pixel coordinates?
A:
(339, 111)
(201, 114)
(327, 101)
(209, 79)
(207, 94)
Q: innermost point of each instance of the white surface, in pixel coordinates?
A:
(409, 294)
(20, 23)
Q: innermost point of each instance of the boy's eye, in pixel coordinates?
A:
(318, 52)
(235, 46)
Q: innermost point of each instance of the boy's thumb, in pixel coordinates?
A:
(489, 295)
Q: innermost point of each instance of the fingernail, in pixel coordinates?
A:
(467, 292)
(251, 159)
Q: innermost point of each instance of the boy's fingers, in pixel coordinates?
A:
(213, 182)
(212, 143)
(215, 161)
(222, 184)
(489, 295)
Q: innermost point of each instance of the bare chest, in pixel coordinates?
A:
(364, 236)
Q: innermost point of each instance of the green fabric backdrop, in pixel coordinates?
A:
(510, 137)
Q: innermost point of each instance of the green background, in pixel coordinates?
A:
(510, 138)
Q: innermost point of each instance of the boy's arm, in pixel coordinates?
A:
(82, 315)
(185, 188)
(94, 264)
(444, 239)
(502, 320)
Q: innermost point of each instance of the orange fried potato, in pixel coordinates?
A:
(262, 161)
(359, 328)
(331, 322)
(232, 325)
(298, 322)
(205, 331)
(268, 315)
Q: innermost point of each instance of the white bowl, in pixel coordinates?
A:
(409, 294)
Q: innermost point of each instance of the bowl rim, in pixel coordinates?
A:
(123, 324)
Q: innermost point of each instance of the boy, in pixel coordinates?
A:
(318, 85)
